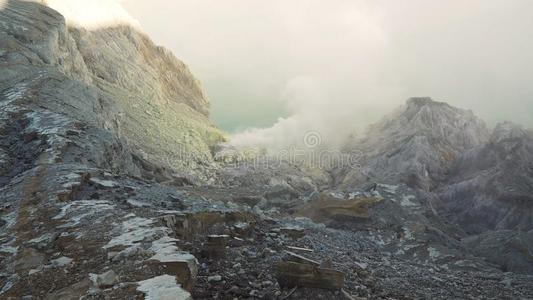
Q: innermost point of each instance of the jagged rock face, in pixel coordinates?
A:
(508, 130)
(34, 35)
(161, 109)
(125, 58)
(115, 79)
(415, 145)
(490, 187)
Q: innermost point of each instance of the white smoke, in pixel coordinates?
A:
(340, 64)
(329, 99)
(312, 111)
(93, 14)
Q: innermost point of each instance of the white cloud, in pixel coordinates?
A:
(93, 14)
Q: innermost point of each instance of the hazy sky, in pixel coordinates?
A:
(338, 64)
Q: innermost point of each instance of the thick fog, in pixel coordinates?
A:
(277, 69)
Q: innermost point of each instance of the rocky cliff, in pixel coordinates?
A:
(488, 194)
(114, 80)
(489, 187)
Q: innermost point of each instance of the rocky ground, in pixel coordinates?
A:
(113, 233)
(375, 267)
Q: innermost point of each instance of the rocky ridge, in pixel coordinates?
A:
(416, 144)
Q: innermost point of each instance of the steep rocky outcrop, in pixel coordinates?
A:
(415, 145)
(151, 99)
(114, 79)
(490, 187)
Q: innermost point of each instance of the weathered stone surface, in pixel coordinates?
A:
(215, 246)
(204, 222)
(105, 280)
(61, 261)
(328, 207)
(162, 288)
(292, 232)
(184, 267)
(28, 259)
(491, 186)
(292, 248)
(291, 256)
(214, 278)
(291, 274)
(242, 229)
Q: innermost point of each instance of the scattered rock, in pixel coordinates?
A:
(163, 287)
(182, 265)
(214, 278)
(291, 256)
(216, 246)
(104, 183)
(242, 229)
(61, 261)
(104, 280)
(290, 274)
(292, 232)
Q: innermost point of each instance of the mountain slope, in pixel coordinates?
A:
(153, 100)
(415, 145)
(139, 92)
(490, 187)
